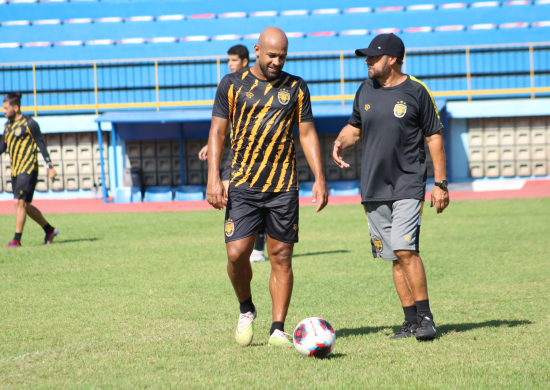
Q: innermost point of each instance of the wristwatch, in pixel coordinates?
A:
(442, 184)
(50, 166)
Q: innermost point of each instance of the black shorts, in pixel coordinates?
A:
(23, 185)
(274, 212)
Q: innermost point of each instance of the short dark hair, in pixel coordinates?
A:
(239, 50)
(14, 98)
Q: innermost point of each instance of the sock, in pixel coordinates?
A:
(247, 306)
(423, 307)
(47, 227)
(277, 325)
(259, 244)
(17, 236)
(410, 314)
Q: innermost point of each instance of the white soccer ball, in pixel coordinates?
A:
(314, 337)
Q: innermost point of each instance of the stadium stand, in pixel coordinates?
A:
(93, 57)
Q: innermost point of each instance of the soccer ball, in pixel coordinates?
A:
(314, 337)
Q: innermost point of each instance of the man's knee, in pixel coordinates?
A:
(20, 203)
(236, 251)
(281, 256)
(406, 256)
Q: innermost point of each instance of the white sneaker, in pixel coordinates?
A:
(280, 339)
(257, 256)
(245, 329)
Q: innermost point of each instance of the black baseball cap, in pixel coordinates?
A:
(388, 44)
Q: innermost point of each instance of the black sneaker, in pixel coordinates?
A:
(407, 330)
(426, 327)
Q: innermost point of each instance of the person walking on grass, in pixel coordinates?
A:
(21, 139)
(263, 104)
(393, 113)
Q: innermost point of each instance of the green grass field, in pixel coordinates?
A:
(143, 301)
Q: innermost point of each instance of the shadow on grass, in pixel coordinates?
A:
(320, 253)
(61, 241)
(335, 356)
(359, 331)
(446, 329)
(442, 330)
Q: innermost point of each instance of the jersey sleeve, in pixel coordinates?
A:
(355, 118)
(223, 103)
(3, 145)
(37, 136)
(303, 105)
(429, 115)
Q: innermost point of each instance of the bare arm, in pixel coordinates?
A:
(347, 138)
(312, 150)
(215, 191)
(440, 197)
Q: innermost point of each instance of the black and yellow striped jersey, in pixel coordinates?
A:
(22, 138)
(263, 115)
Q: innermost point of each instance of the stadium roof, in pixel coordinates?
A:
(319, 111)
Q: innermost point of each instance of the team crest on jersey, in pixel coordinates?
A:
(377, 243)
(400, 109)
(249, 95)
(367, 107)
(17, 131)
(283, 96)
(229, 228)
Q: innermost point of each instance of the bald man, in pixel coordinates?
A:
(263, 104)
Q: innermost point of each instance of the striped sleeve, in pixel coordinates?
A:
(303, 104)
(224, 99)
(3, 145)
(429, 115)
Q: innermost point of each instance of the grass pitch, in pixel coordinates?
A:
(143, 301)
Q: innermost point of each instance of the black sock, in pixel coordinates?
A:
(259, 243)
(47, 228)
(423, 307)
(410, 314)
(17, 236)
(277, 325)
(247, 305)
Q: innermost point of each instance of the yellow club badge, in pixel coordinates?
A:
(400, 109)
(229, 228)
(249, 95)
(377, 243)
(283, 96)
(17, 131)
(408, 238)
(367, 107)
(295, 227)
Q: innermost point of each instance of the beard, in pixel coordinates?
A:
(382, 73)
(268, 75)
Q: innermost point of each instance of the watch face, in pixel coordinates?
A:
(443, 184)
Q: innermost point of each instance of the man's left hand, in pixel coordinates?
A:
(52, 173)
(440, 199)
(320, 192)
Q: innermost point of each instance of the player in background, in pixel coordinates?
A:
(21, 139)
(394, 113)
(263, 104)
(238, 59)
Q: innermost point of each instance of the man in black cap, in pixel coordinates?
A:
(393, 113)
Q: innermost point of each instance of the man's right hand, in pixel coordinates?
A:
(216, 194)
(337, 155)
(203, 154)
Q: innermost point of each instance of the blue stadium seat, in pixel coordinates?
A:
(190, 192)
(344, 187)
(158, 194)
(128, 195)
